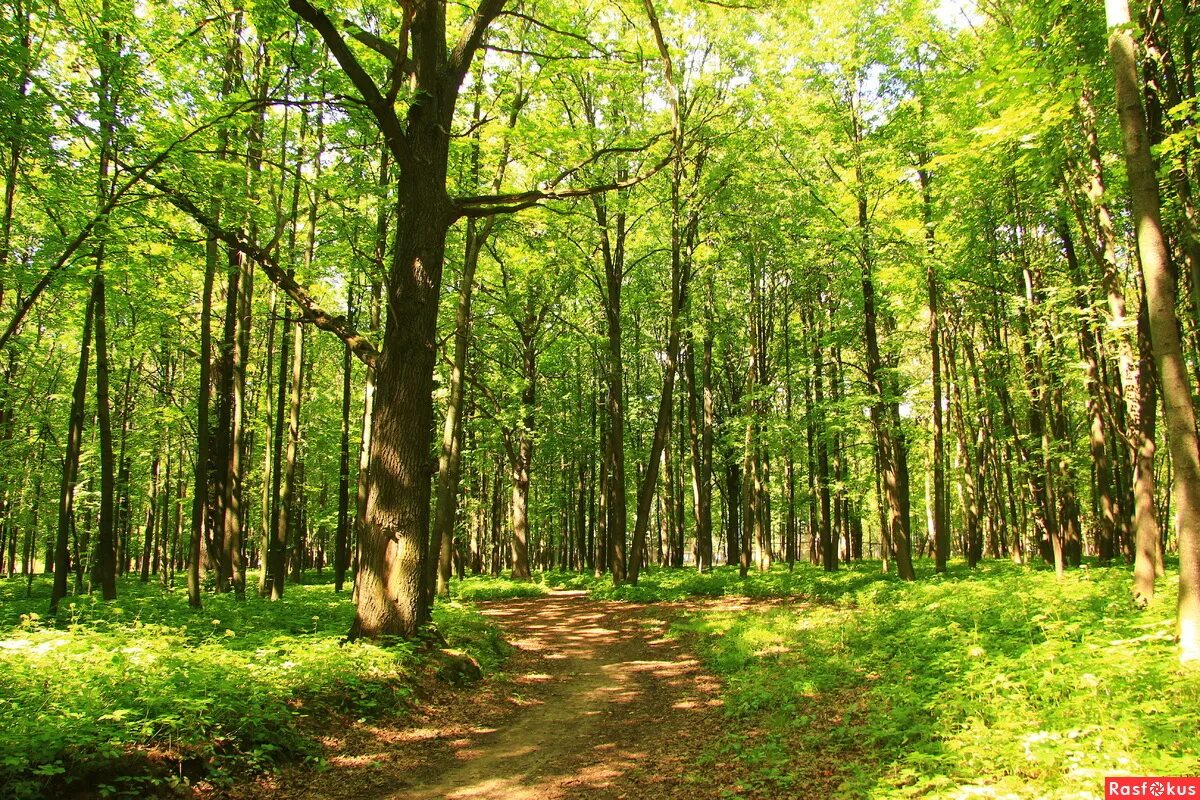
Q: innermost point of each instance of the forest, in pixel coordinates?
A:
(362, 358)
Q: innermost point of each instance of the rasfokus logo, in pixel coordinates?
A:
(1151, 787)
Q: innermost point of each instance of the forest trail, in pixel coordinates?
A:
(600, 704)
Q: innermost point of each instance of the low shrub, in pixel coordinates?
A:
(997, 682)
(146, 692)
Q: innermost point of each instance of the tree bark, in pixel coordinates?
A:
(203, 395)
(450, 457)
(700, 428)
(612, 249)
(106, 561)
(941, 527)
(276, 556)
(288, 534)
(70, 470)
(1164, 332)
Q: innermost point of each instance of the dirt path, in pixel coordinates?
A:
(599, 705)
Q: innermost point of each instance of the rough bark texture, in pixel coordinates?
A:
(1164, 331)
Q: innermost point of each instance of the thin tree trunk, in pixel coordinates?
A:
(341, 544)
(222, 439)
(521, 449)
(70, 470)
(148, 539)
(612, 249)
(941, 528)
(450, 457)
(270, 490)
(287, 497)
(276, 557)
(106, 563)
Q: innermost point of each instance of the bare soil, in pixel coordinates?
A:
(596, 702)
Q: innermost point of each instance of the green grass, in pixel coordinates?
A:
(658, 585)
(477, 588)
(143, 692)
(997, 682)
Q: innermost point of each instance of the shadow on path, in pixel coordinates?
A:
(599, 705)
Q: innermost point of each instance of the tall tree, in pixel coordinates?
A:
(1164, 324)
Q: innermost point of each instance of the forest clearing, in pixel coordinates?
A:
(598, 398)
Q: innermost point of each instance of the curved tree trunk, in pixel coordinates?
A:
(1164, 326)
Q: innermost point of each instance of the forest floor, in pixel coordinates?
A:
(596, 701)
(1001, 681)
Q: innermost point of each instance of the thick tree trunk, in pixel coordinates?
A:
(1164, 331)
(390, 597)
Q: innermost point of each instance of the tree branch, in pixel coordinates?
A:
(471, 39)
(381, 109)
(336, 324)
(68, 253)
(568, 34)
(377, 43)
(486, 205)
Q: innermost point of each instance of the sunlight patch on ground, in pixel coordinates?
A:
(360, 760)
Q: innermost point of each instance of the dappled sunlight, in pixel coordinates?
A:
(611, 690)
(358, 760)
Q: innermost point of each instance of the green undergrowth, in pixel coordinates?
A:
(143, 693)
(665, 585)
(997, 682)
(477, 588)
(659, 585)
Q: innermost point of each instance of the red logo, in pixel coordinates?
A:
(1152, 788)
